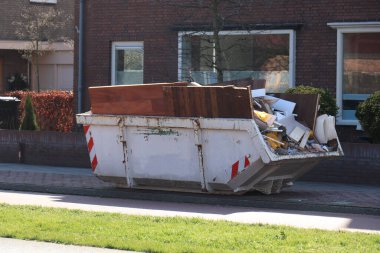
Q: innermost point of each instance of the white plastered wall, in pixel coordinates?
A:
(56, 70)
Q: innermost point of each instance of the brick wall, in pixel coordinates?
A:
(360, 165)
(152, 22)
(44, 148)
(11, 9)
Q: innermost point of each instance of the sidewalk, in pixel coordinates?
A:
(305, 196)
(21, 246)
(308, 205)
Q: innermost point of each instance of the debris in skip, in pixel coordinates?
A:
(288, 130)
(227, 138)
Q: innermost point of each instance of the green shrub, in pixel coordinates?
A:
(54, 109)
(29, 121)
(327, 101)
(368, 113)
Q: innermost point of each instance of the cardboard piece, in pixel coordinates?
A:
(258, 93)
(285, 106)
(305, 138)
(290, 123)
(279, 115)
(307, 106)
(296, 134)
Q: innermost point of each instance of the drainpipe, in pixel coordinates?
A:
(80, 53)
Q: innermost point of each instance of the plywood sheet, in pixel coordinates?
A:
(209, 101)
(142, 99)
(306, 107)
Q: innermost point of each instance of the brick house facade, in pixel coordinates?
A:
(314, 27)
(56, 68)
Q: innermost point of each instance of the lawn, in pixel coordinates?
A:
(153, 234)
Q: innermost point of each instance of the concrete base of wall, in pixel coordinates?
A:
(360, 165)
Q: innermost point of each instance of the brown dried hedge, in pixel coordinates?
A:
(54, 109)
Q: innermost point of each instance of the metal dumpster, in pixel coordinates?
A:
(214, 155)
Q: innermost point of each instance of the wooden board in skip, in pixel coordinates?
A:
(139, 99)
(209, 101)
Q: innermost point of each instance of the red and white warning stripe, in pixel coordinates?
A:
(90, 146)
(240, 165)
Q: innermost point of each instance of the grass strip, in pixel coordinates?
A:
(156, 234)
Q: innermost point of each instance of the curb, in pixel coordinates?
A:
(194, 198)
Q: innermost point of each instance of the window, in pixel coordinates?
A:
(127, 63)
(44, 1)
(265, 55)
(358, 66)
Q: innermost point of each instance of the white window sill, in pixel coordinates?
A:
(347, 122)
(340, 122)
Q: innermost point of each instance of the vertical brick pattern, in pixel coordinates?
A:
(11, 9)
(152, 21)
(360, 165)
(44, 148)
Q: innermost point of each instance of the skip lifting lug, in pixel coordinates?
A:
(120, 136)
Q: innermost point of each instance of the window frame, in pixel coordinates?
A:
(292, 46)
(124, 45)
(342, 28)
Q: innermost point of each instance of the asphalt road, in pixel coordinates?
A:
(301, 219)
(303, 196)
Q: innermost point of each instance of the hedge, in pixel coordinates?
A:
(327, 101)
(54, 109)
(368, 113)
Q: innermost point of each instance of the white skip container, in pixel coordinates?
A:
(218, 155)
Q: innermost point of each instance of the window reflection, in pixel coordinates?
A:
(361, 69)
(129, 65)
(259, 56)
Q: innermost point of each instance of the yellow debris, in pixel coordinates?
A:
(266, 117)
(274, 140)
